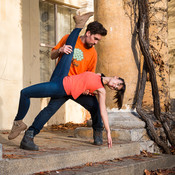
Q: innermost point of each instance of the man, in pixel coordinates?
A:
(84, 59)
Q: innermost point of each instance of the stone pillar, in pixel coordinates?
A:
(118, 52)
(115, 54)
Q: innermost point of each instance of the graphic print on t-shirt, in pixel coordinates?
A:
(78, 56)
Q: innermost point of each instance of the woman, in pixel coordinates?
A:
(91, 83)
(59, 84)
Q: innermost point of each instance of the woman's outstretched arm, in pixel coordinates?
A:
(104, 115)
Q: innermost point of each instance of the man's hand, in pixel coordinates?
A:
(67, 49)
(86, 92)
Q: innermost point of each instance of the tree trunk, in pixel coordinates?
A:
(143, 34)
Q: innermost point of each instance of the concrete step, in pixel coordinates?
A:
(58, 151)
(129, 135)
(125, 126)
(117, 134)
(66, 159)
(135, 165)
(125, 120)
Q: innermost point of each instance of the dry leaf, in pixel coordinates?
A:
(89, 164)
(147, 172)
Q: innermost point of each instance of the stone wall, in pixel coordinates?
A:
(158, 33)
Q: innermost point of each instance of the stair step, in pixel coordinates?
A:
(64, 159)
(126, 166)
(117, 134)
(126, 135)
(125, 120)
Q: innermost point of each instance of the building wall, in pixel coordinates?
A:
(20, 59)
(10, 59)
(18, 56)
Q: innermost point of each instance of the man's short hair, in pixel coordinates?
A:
(96, 28)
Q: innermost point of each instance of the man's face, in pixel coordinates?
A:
(91, 39)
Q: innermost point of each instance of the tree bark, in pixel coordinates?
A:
(143, 34)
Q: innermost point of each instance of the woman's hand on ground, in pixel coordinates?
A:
(109, 140)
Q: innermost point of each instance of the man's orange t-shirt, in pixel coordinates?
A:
(83, 59)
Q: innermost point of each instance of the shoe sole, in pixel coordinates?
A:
(28, 148)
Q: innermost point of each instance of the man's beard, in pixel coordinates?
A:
(88, 46)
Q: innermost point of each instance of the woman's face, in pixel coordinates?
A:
(115, 83)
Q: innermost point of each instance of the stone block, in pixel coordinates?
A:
(139, 135)
(117, 134)
(83, 132)
(125, 120)
(0, 151)
(149, 146)
(129, 134)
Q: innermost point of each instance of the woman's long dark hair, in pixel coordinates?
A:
(120, 94)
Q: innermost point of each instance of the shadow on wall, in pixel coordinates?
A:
(173, 105)
(136, 57)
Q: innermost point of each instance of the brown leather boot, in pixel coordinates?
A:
(17, 127)
(80, 20)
